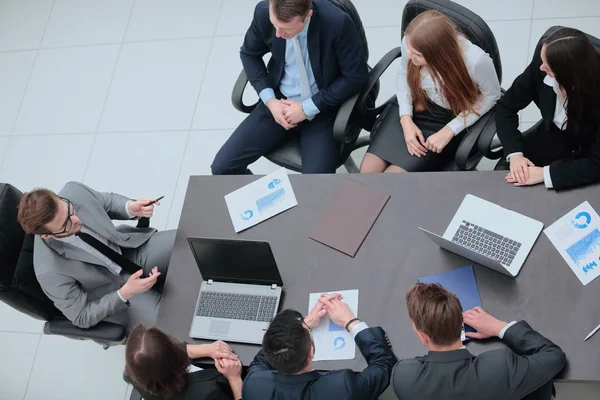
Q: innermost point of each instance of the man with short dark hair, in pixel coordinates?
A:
(283, 369)
(523, 370)
(317, 62)
(91, 270)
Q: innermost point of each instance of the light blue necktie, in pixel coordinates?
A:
(305, 92)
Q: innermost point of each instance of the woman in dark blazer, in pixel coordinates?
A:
(563, 80)
(160, 368)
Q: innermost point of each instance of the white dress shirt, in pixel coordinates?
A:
(560, 120)
(76, 241)
(503, 331)
(290, 82)
(481, 69)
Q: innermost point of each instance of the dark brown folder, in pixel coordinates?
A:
(349, 216)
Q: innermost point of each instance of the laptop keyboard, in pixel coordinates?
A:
(247, 307)
(488, 243)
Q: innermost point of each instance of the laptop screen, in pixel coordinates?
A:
(236, 261)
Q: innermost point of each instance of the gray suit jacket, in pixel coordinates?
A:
(78, 283)
(523, 369)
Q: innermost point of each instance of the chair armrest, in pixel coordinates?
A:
(237, 94)
(487, 144)
(106, 332)
(143, 222)
(470, 140)
(362, 142)
(341, 127)
(374, 76)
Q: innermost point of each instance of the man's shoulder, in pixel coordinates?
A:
(261, 12)
(73, 190)
(405, 367)
(328, 11)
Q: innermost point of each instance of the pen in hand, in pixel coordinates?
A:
(154, 201)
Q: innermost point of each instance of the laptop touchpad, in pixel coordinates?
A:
(219, 328)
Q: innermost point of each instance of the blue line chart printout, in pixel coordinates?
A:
(260, 200)
(576, 236)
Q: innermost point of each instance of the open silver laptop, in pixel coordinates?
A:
(241, 289)
(490, 235)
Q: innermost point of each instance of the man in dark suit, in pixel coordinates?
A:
(317, 62)
(284, 370)
(523, 370)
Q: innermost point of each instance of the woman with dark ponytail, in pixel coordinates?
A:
(563, 80)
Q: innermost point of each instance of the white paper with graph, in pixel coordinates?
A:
(260, 200)
(333, 342)
(576, 236)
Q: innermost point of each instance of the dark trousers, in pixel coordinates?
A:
(259, 133)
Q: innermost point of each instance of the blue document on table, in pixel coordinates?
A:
(462, 283)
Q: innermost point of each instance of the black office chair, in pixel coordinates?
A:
(478, 32)
(489, 144)
(347, 125)
(20, 289)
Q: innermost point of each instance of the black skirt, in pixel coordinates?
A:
(387, 138)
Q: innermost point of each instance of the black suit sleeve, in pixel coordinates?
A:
(534, 360)
(373, 380)
(349, 51)
(253, 50)
(522, 92)
(577, 172)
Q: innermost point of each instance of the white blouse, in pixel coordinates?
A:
(480, 68)
(560, 115)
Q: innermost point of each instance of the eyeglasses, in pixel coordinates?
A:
(68, 223)
(303, 322)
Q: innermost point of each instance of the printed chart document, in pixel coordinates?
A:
(333, 342)
(260, 200)
(576, 236)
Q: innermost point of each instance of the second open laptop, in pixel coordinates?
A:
(241, 290)
(490, 235)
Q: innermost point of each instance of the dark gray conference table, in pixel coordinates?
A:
(395, 254)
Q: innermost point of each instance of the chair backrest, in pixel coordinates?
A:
(349, 8)
(595, 41)
(466, 21)
(19, 287)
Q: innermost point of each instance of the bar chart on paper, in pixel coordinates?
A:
(260, 200)
(576, 236)
(585, 252)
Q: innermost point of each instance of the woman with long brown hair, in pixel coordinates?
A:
(445, 84)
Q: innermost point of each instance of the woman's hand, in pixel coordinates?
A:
(535, 175)
(440, 139)
(519, 168)
(220, 350)
(415, 142)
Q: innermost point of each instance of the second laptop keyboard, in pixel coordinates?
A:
(246, 307)
(488, 243)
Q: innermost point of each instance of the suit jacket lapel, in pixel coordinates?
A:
(314, 47)
(278, 51)
(72, 252)
(102, 225)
